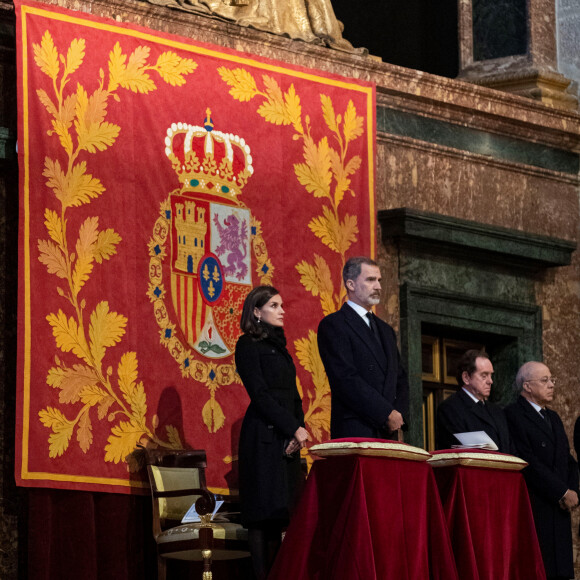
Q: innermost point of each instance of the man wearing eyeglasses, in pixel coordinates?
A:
(552, 472)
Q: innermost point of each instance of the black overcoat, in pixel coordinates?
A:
(268, 480)
(367, 379)
(551, 471)
(459, 413)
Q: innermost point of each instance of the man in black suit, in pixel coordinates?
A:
(370, 392)
(468, 409)
(552, 473)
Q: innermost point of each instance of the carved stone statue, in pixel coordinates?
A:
(308, 20)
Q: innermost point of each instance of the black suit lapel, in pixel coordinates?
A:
(479, 410)
(361, 328)
(484, 414)
(536, 418)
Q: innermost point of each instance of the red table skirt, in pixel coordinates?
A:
(490, 523)
(365, 518)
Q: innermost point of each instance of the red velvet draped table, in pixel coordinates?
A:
(366, 518)
(490, 523)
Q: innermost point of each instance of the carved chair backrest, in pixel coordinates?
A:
(172, 472)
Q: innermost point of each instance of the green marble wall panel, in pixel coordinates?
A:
(498, 147)
(477, 280)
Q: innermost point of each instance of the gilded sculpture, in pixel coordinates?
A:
(308, 20)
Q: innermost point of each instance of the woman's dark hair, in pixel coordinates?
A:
(259, 296)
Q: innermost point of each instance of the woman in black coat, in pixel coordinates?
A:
(273, 428)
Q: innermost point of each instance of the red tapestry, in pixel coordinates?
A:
(161, 179)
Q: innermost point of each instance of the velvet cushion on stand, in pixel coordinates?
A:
(490, 520)
(367, 518)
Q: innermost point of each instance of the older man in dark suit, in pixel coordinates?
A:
(468, 409)
(370, 392)
(552, 473)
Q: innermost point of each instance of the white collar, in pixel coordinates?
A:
(360, 310)
(471, 395)
(534, 405)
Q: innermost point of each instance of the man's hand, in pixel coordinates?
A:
(395, 420)
(569, 501)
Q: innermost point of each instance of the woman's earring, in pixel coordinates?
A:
(259, 319)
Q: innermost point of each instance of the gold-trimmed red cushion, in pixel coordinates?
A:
(370, 447)
(471, 457)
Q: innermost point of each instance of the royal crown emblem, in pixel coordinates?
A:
(209, 161)
(206, 253)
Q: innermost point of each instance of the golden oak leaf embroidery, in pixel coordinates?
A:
(54, 226)
(173, 68)
(84, 253)
(85, 432)
(75, 55)
(315, 174)
(106, 245)
(123, 440)
(46, 101)
(138, 402)
(127, 373)
(72, 382)
(79, 121)
(338, 236)
(173, 436)
(62, 430)
(67, 112)
(106, 329)
(46, 56)
(242, 82)
(328, 113)
(317, 279)
(353, 124)
(68, 338)
(53, 258)
(93, 395)
(104, 406)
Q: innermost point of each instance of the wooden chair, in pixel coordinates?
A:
(177, 480)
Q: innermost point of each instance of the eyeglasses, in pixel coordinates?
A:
(544, 380)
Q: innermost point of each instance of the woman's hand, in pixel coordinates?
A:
(298, 441)
(293, 446)
(301, 436)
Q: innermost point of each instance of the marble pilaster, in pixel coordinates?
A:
(511, 45)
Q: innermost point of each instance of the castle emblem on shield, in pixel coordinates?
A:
(206, 252)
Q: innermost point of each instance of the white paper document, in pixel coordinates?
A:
(192, 515)
(475, 440)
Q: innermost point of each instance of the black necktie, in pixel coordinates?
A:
(485, 408)
(546, 418)
(373, 325)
